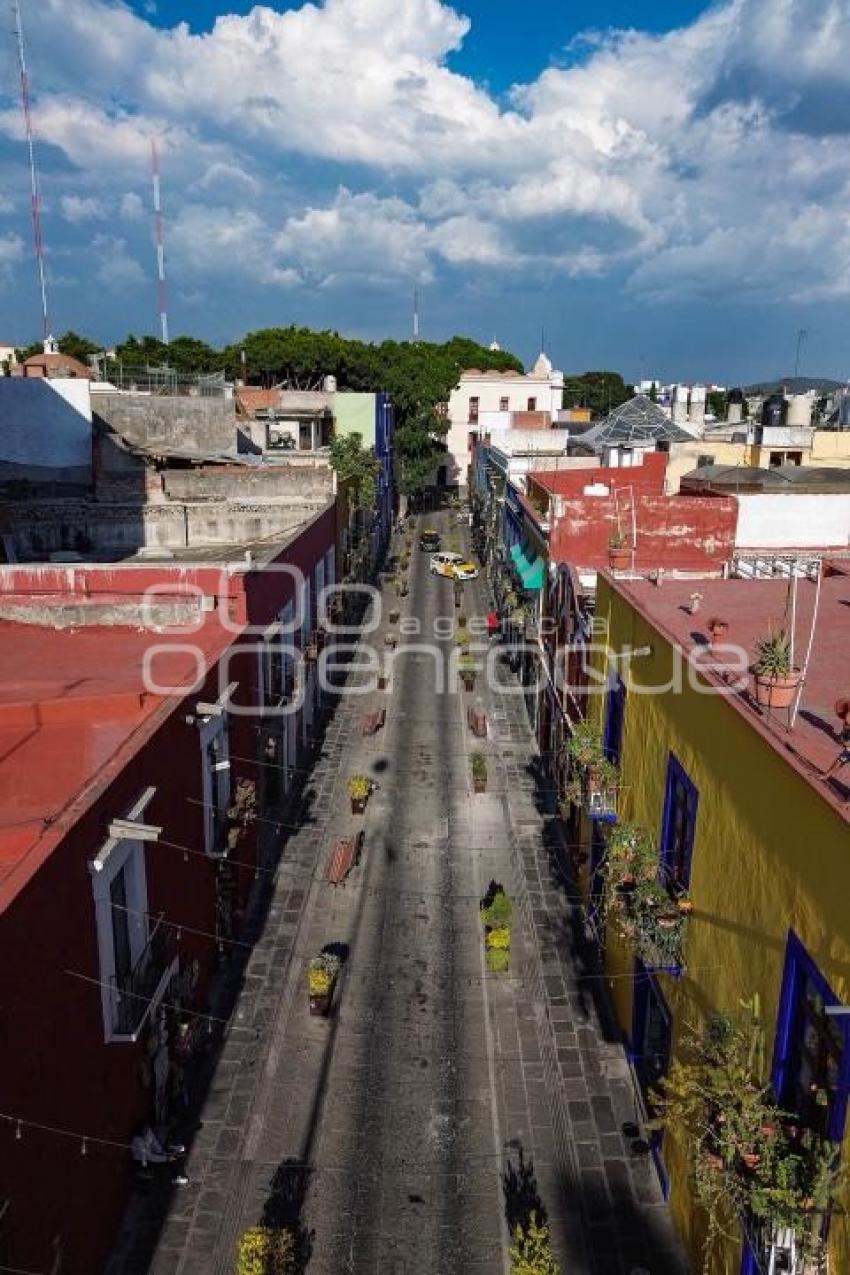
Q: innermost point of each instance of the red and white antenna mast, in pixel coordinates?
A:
(38, 237)
(159, 225)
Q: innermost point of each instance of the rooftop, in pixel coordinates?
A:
(779, 478)
(73, 708)
(639, 421)
(750, 606)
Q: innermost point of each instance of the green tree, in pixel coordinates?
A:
(716, 404)
(653, 393)
(600, 391)
(354, 462)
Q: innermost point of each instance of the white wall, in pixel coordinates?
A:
(45, 428)
(490, 390)
(792, 521)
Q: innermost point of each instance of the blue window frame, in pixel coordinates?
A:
(652, 1036)
(811, 1055)
(614, 720)
(596, 911)
(678, 826)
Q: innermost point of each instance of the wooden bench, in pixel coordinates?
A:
(344, 856)
(373, 722)
(477, 721)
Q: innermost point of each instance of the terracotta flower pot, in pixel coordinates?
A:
(479, 785)
(619, 559)
(468, 680)
(776, 692)
(686, 906)
(358, 805)
(718, 630)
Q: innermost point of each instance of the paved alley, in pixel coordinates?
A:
(398, 1129)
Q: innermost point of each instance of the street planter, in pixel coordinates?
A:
(311, 652)
(391, 639)
(393, 616)
(479, 772)
(468, 673)
(496, 912)
(322, 975)
(359, 791)
(382, 681)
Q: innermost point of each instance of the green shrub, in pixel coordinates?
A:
(479, 766)
(498, 911)
(266, 1250)
(498, 960)
(531, 1251)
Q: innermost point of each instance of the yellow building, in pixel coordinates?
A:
(760, 447)
(749, 826)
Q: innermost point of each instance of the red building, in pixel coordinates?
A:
(137, 745)
(570, 517)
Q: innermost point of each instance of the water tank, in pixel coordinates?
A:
(774, 411)
(800, 411)
(735, 407)
(696, 413)
(680, 404)
(330, 385)
(735, 396)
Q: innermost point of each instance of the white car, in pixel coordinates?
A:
(452, 565)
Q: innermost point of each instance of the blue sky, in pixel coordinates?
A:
(664, 187)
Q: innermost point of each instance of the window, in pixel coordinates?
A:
(811, 1066)
(215, 750)
(135, 958)
(776, 459)
(473, 409)
(532, 404)
(504, 404)
(678, 826)
(652, 1034)
(794, 458)
(615, 719)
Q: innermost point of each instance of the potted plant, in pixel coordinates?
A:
(498, 949)
(479, 772)
(595, 786)
(266, 1250)
(748, 1158)
(776, 678)
(391, 639)
(496, 907)
(394, 615)
(359, 791)
(322, 974)
(468, 671)
(311, 651)
(463, 640)
(619, 553)
(718, 628)
(242, 812)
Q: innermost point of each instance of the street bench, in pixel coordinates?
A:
(344, 856)
(476, 719)
(373, 722)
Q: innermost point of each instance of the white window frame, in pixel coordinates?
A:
(120, 852)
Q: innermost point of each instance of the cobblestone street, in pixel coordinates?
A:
(435, 1092)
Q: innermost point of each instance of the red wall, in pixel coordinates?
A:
(648, 477)
(55, 1067)
(684, 532)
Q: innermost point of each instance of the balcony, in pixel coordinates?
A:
(137, 995)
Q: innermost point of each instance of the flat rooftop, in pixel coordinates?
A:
(73, 709)
(750, 607)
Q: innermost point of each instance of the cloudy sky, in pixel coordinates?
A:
(663, 185)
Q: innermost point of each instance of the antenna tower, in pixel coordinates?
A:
(159, 229)
(38, 237)
(416, 313)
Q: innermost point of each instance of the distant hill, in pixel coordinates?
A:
(796, 385)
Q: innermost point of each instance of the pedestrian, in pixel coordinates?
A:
(149, 1152)
(493, 624)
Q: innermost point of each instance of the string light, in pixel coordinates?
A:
(84, 1147)
(18, 1132)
